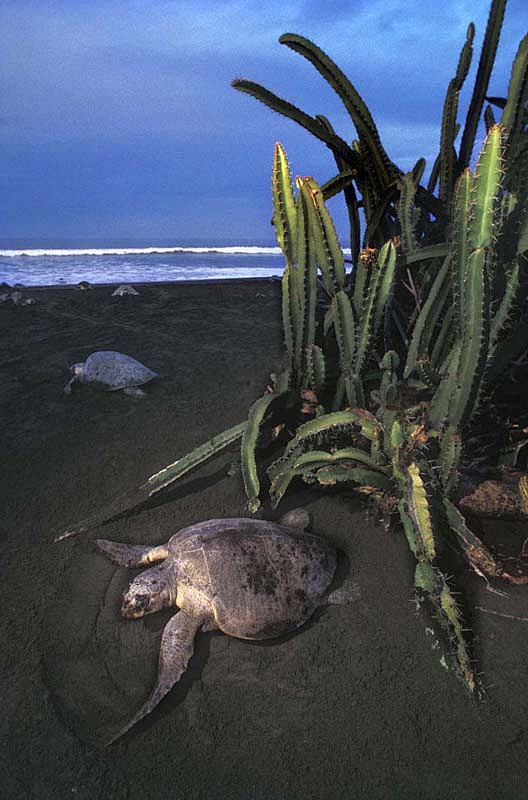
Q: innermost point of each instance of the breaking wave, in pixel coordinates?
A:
(242, 250)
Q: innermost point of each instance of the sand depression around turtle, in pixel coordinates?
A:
(248, 578)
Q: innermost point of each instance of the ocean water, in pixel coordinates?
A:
(56, 264)
(42, 263)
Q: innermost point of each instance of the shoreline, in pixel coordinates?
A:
(146, 284)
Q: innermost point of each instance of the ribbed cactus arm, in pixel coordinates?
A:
(512, 115)
(405, 215)
(351, 421)
(351, 99)
(417, 513)
(438, 408)
(308, 274)
(448, 158)
(345, 329)
(284, 205)
(487, 189)
(474, 264)
(419, 508)
(350, 196)
(297, 284)
(385, 260)
(462, 209)
(475, 342)
(337, 184)
(333, 465)
(514, 119)
(287, 323)
(285, 224)
(276, 103)
(387, 265)
(487, 58)
(504, 309)
(327, 248)
(248, 446)
(428, 317)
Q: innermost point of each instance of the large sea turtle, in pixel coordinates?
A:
(249, 578)
(111, 371)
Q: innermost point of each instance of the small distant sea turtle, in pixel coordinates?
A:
(83, 286)
(17, 298)
(111, 371)
(249, 578)
(124, 289)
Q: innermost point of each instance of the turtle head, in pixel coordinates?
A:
(76, 372)
(147, 593)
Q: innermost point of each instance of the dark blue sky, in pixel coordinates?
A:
(118, 119)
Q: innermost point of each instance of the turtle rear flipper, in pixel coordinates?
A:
(134, 391)
(296, 518)
(177, 646)
(132, 555)
(342, 597)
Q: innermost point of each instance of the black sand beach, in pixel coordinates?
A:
(354, 705)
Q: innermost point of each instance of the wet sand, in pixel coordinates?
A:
(354, 705)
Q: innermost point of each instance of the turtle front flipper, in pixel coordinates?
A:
(132, 555)
(67, 388)
(177, 646)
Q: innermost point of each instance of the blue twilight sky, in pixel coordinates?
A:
(118, 120)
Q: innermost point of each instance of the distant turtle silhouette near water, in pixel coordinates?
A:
(124, 289)
(16, 297)
(111, 371)
(249, 578)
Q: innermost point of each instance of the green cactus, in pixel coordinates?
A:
(326, 244)
(474, 264)
(284, 205)
(345, 329)
(425, 326)
(447, 156)
(311, 462)
(449, 459)
(487, 58)
(405, 214)
(349, 422)
(248, 446)
(417, 514)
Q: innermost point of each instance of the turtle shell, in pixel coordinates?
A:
(115, 370)
(261, 579)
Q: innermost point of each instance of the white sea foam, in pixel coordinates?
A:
(242, 250)
(136, 251)
(56, 266)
